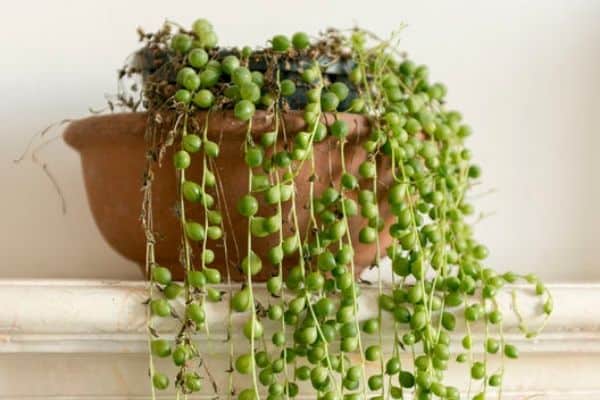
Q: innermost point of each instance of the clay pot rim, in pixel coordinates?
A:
(102, 129)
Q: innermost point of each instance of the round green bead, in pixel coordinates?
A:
(300, 41)
(280, 43)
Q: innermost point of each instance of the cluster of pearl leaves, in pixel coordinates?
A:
(437, 266)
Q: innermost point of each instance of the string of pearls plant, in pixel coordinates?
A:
(438, 267)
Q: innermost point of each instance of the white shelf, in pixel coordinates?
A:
(86, 340)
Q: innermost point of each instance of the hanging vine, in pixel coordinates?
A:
(395, 188)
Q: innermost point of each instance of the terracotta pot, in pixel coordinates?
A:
(112, 149)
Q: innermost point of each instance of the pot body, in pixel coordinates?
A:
(113, 154)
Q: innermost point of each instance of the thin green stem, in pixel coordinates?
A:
(249, 273)
(353, 272)
(280, 264)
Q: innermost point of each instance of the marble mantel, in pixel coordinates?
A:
(74, 339)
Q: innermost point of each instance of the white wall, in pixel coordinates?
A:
(526, 75)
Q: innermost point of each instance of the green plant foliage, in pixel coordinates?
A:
(440, 282)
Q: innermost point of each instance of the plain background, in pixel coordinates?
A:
(525, 74)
